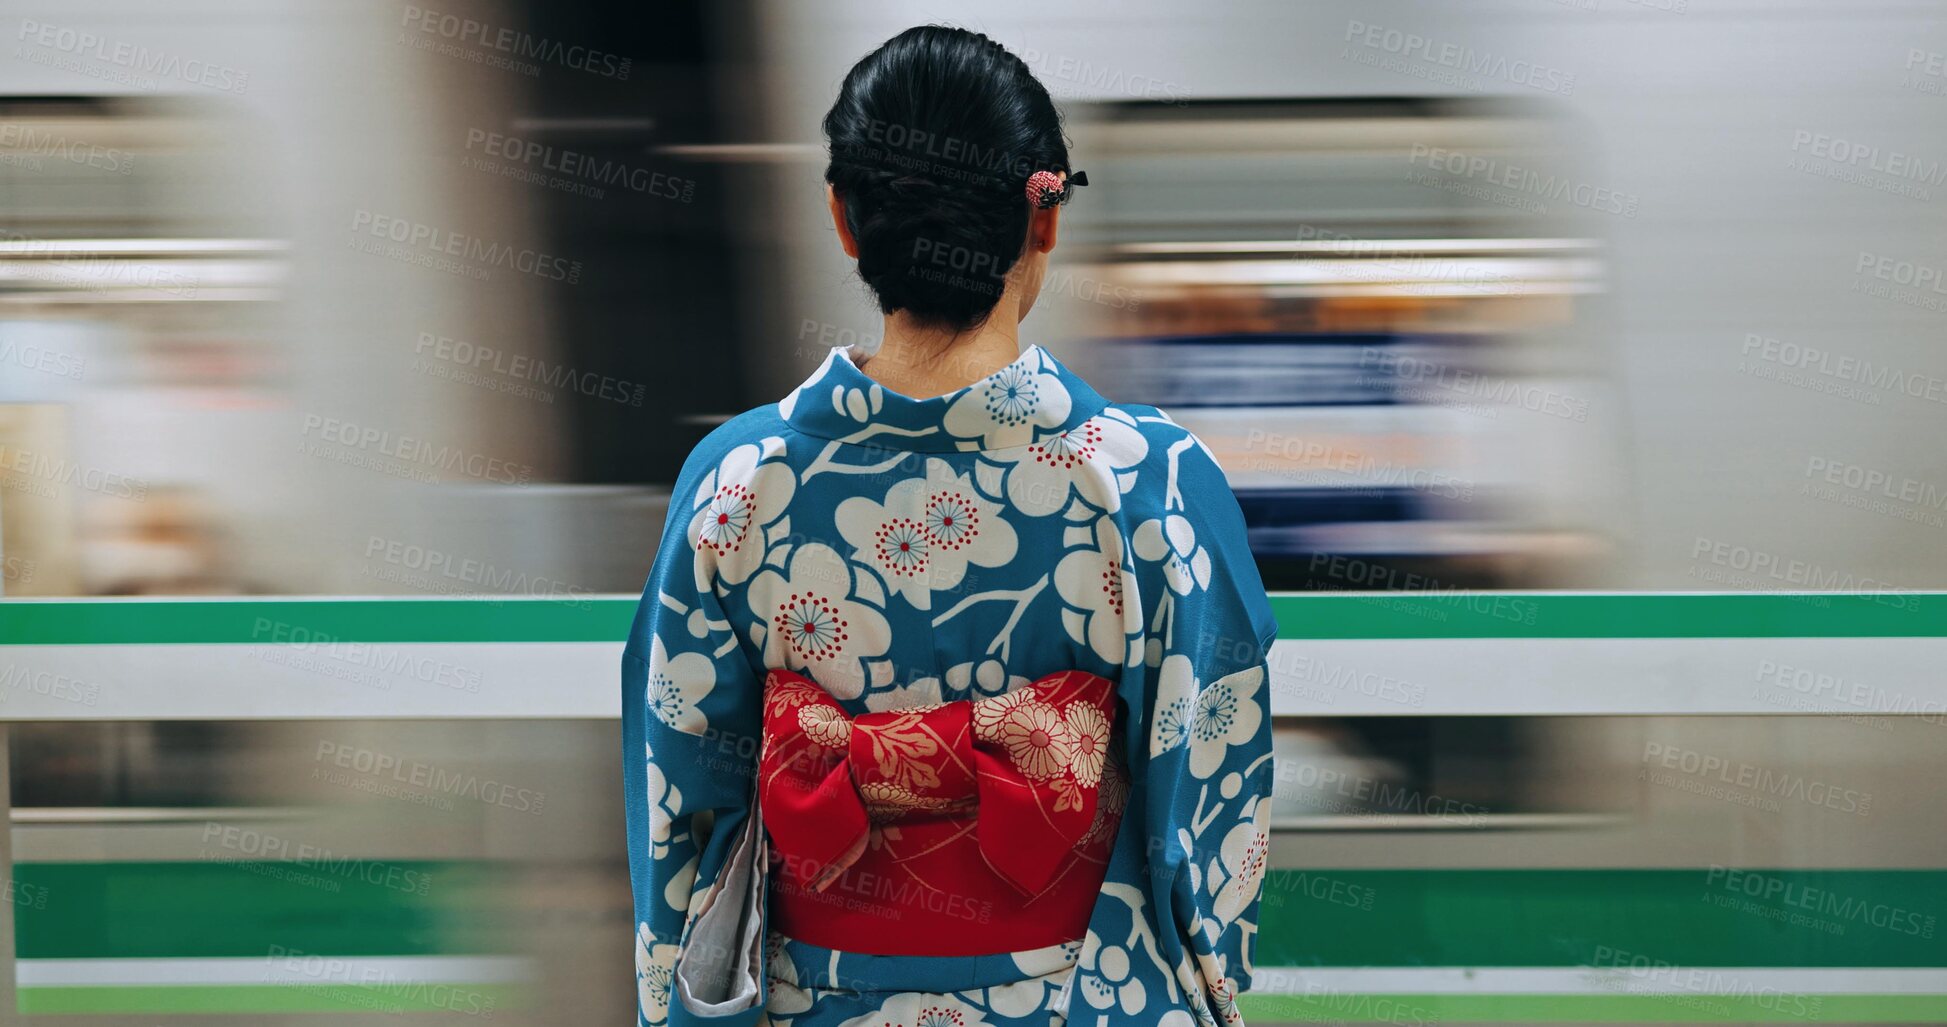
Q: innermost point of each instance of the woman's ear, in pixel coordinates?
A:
(845, 239)
(1043, 226)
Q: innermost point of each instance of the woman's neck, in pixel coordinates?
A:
(925, 362)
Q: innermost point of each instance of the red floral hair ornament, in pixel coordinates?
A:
(1050, 188)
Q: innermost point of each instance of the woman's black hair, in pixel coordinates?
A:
(933, 137)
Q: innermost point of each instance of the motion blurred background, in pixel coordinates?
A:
(373, 298)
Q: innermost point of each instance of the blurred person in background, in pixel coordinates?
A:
(978, 655)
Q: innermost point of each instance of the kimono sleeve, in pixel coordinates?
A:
(1207, 780)
(691, 709)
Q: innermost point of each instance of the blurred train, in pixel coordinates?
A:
(1393, 364)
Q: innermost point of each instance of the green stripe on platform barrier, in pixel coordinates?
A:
(331, 904)
(1567, 918)
(1315, 615)
(1611, 615)
(1323, 917)
(301, 621)
(163, 1000)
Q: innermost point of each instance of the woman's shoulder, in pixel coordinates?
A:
(1176, 469)
(1183, 516)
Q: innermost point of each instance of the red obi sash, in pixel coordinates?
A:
(957, 829)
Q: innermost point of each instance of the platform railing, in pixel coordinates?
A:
(1524, 654)
(1339, 654)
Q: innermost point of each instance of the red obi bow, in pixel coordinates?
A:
(1022, 769)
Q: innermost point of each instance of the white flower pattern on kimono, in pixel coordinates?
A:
(1089, 460)
(735, 502)
(1172, 541)
(1048, 972)
(926, 532)
(787, 998)
(1017, 998)
(1208, 718)
(976, 679)
(1221, 988)
(1095, 582)
(1238, 871)
(665, 805)
(655, 965)
(677, 684)
(816, 623)
(858, 404)
(1108, 979)
(921, 1010)
(1007, 407)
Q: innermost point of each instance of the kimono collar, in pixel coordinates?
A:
(1031, 397)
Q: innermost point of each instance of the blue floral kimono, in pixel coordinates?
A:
(902, 553)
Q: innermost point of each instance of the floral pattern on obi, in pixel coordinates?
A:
(1015, 777)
